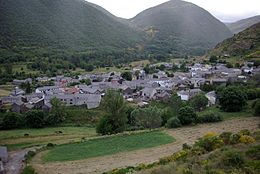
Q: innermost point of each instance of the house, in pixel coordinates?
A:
(212, 97)
(19, 107)
(148, 93)
(19, 82)
(3, 154)
(47, 89)
(188, 94)
(164, 96)
(90, 100)
(17, 91)
(219, 81)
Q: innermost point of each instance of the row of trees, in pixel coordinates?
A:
(34, 118)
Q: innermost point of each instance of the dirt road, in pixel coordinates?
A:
(182, 135)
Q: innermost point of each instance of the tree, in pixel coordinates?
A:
(86, 81)
(199, 102)
(256, 107)
(58, 112)
(213, 59)
(127, 76)
(115, 119)
(10, 120)
(35, 119)
(147, 117)
(232, 99)
(187, 115)
(173, 122)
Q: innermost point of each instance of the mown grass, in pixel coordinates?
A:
(15, 139)
(107, 146)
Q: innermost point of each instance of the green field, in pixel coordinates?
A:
(15, 139)
(247, 112)
(107, 146)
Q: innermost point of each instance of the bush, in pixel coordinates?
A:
(28, 156)
(147, 117)
(254, 152)
(199, 102)
(234, 138)
(251, 94)
(187, 115)
(210, 118)
(233, 159)
(29, 170)
(244, 132)
(35, 119)
(210, 142)
(232, 99)
(104, 127)
(173, 122)
(10, 120)
(246, 139)
(225, 136)
(256, 107)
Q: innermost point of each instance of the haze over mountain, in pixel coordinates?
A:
(243, 24)
(180, 28)
(245, 43)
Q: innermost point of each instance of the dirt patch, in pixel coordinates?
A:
(182, 135)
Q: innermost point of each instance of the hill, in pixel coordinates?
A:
(245, 43)
(241, 25)
(180, 28)
(42, 28)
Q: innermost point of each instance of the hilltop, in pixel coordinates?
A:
(180, 28)
(243, 24)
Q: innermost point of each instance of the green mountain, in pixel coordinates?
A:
(245, 43)
(31, 28)
(241, 25)
(180, 28)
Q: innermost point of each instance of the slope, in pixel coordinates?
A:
(179, 28)
(241, 25)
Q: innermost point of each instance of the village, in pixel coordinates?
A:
(141, 89)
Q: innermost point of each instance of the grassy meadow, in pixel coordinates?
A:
(107, 146)
(16, 139)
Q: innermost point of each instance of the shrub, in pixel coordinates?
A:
(233, 159)
(234, 138)
(10, 120)
(210, 142)
(187, 115)
(232, 99)
(254, 152)
(199, 102)
(35, 119)
(225, 136)
(210, 118)
(256, 107)
(29, 170)
(147, 117)
(173, 122)
(28, 156)
(104, 127)
(244, 132)
(246, 139)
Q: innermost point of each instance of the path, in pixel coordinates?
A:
(183, 135)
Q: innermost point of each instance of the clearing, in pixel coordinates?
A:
(183, 135)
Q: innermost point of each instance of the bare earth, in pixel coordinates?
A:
(183, 135)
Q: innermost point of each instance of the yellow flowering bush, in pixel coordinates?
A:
(246, 139)
(210, 134)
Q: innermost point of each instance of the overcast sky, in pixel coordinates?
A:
(224, 10)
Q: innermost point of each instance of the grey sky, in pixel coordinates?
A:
(224, 10)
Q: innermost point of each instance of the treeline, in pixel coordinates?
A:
(34, 118)
(121, 116)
